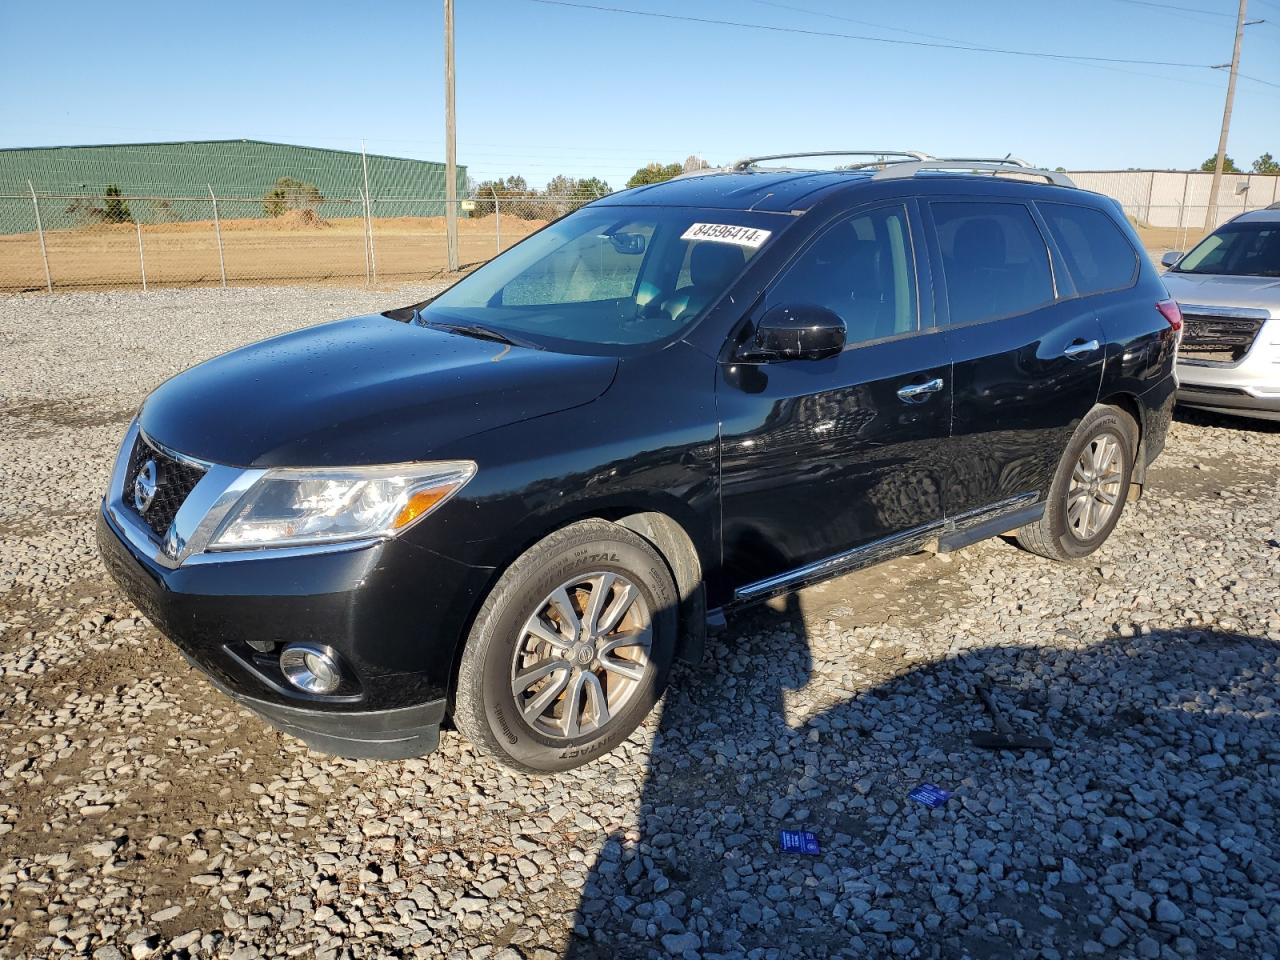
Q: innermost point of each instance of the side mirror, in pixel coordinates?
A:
(1170, 258)
(798, 332)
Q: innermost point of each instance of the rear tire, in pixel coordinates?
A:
(590, 613)
(1089, 488)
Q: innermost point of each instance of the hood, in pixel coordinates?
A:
(1211, 290)
(366, 390)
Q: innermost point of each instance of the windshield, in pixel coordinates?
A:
(1250, 249)
(608, 275)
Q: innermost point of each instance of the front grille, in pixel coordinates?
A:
(175, 479)
(1213, 339)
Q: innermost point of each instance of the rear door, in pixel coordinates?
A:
(1105, 266)
(823, 457)
(1028, 355)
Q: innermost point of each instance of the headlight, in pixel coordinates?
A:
(290, 507)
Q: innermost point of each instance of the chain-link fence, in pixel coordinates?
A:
(67, 241)
(1170, 208)
(61, 239)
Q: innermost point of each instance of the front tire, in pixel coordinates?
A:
(570, 651)
(1089, 489)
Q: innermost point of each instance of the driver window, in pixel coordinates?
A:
(862, 269)
(591, 267)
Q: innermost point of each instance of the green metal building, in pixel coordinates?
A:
(172, 181)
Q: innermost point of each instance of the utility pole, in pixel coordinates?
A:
(1211, 213)
(450, 137)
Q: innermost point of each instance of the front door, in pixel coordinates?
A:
(1027, 356)
(823, 457)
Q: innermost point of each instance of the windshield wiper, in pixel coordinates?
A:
(479, 332)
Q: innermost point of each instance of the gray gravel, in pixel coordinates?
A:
(144, 815)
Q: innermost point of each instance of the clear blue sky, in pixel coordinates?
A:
(549, 89)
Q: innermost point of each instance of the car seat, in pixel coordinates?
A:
(711, 267)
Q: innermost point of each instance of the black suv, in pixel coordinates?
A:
(514, 504)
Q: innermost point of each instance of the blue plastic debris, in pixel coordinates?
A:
(930, 795)
(800, 841)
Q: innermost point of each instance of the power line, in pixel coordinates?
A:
(1171, 6)
(1194, 10)
(1083, 60)
(844, 19)
(1269, 83)
(1008, 51)
(954, 41)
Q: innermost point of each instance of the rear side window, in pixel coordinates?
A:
(1098, 254)
(994, 260)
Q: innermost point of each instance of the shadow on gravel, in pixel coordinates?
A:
(1206, 418)
(1149, 830)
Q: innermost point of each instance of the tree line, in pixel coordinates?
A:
(1265, 164)
(513, 196)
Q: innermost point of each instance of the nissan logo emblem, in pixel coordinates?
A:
(144, 486)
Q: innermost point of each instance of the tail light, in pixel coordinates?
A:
(1170, 310)
(1172, 313)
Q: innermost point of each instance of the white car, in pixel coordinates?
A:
(1228, 287)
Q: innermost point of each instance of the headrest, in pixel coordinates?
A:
(864, 266)
(714, 264)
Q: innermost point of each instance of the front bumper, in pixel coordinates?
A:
(377, 734)
(1231, 400)
(393, 611)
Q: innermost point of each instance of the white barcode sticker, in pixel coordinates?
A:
(727, 233)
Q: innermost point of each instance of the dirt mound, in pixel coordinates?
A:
(304, 219)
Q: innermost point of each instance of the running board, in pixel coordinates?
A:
(993, 527)
(952, 534)
(864, 556)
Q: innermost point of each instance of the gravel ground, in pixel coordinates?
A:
(143, 814)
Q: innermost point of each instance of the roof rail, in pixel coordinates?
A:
(1011, 161)
(899, 171)
(747, 162)
(900, 164)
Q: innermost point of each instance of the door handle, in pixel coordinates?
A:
(1080, 348)
(916, 392)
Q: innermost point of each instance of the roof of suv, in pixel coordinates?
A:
(775, 191)
(1268, 215)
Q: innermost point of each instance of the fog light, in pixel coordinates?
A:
(311, 668)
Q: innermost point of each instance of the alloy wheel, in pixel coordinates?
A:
(1094, 494)
(581, 657)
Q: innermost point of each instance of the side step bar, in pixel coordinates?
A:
(993, 527)
(952, 534)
